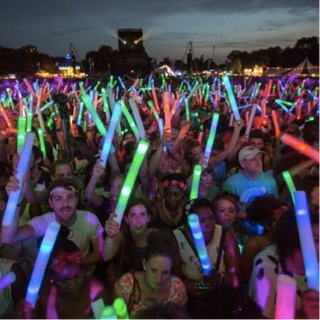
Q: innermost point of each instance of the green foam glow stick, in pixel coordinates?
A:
(130, 121)
(29, 121)
(42, 144)
(121, 308)
(195, 181)
(21, 138)
(186, 103)
(106, 108)
(150, 104)
(231, 97)
(130, 180)
(109, 312)
(290, 184)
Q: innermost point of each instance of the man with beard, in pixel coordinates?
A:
(85, 227)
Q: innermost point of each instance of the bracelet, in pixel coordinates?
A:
(202, 286)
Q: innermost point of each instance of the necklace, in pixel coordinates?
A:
(171, 218)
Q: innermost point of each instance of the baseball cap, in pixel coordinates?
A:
(248, 153)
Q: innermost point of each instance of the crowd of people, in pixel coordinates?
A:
(244, 206)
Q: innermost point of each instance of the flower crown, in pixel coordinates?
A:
(168, 183)
(63, 257)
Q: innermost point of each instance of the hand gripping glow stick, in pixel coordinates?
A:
(93, 112)
(211, 137)
(306, 240)
(109, 312)
(275, 123)
(286, 297)
(166, 109)
(137, 118)
(300, 146)
(198, 239)
(41, 263)
(109, 135)
(130, 180)
(231, 97)
(130, 121)
(6, 280)
(42, 143)
(195, 181)
(21, 133)
(121, 308)
(22, 167)
(290, 184)
(252, 114)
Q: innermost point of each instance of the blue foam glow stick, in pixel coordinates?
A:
(195, 181)
(109, 136)
(6, 280)
(130, 180)
(22, 167)
(41, 262)
(290, 184)
(198, 239)
(306, 240)
(231, 97)
(210, 141)
(80, 114)
(121, 83)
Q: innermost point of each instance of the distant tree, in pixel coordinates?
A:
(236, 65)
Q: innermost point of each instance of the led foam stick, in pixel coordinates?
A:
(80, 114)
(5, 115)
(252, 114)
(109, 312)
(300, 146)
(21, 137)
(177, 104)
(41, 122)
(42, 144)
(137, 118)
(108, 138)
(22, 167)
(121, 308)
(280, 103)
(155, 99)
(193, 89)
(286, 297)
(29, 121)
(210, 141)
(7, 280)
(290, 184)
(41, 262)
(186, 104)
(306, 240)
(166, 109)
(198, 239)
(47, 105)
(195, 182)
(275, 123)
(106, 108)
(10, 98)
(93, 113)
(130, 180)
(130, 121)
(231, 97)
(30, 89)
(121, 83)
(97, 308)
(150, 104)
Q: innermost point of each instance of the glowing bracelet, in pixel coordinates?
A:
(210, 141)
(42, 144)
(7, 280)
(39, 269)
(21, 137)
(22, 167)
(121, 308)
(195, 181)
(130, 180)
(166, 109)
(109, 135)
(109, 312)
(198, 239)
(130, 121)
(290, 184)
(275, 123)
(231, 97)
(306, 240)
(252, 114)
(93, 113)
(300, 146)
(286, 297)
(137, 118)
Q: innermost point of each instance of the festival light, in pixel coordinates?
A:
(39, 269)
(195, 182)
(286, 297)
(121, 308)
(300, 146)
(197, 235)
(210, 141)
(306, 240)
(130, 180)
(7, 280)
(231, 97)
(22, 168)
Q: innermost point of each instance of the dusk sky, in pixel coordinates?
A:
(168, 26)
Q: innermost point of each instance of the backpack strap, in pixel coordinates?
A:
(221, 245)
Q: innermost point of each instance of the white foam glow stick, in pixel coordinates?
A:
(137, 118)
(252, 114)
(210, 141)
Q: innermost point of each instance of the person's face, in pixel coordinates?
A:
(257, 143)
(138, 218)
(69, 281)
(64, 204)
(207, 222)
(157, 272)
(63, 171)
(74, 130)
(225, 212)
(129, 138)
(206, 179)
(173, 196)
(12, 140)
(115, 188)
(196, 154)
(190, 135)
(254, 165)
